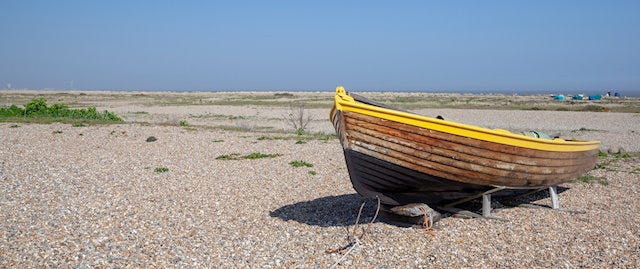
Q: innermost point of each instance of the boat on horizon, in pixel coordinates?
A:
(404, 158)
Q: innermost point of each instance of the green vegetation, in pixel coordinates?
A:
(37, 110)
(161, 169)
(584, 129)
(78, 124)
(592, 179)
(264, 137)
(311, 172)
(184, 123)
(56, 132)
(258, 155)
(217, 140)
(14, 126)
(300, 164)
(301, 138)
(250, 156)
(151, 139)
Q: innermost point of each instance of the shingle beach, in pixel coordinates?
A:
(102, 196)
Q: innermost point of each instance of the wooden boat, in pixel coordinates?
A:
(405, 158)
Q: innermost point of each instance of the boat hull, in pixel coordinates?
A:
(401, 163)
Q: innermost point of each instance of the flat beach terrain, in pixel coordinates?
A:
(216, 187)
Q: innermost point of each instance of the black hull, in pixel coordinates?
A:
(398, 185)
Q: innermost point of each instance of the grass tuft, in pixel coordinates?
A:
(592, 179)
(250, 156)
(300, 164)
(161, 169)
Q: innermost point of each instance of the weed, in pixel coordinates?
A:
(78, 124)
(298, 118)
(258, 155)
(161, 169)
(217, 140)
(300, 164)
(151, 139)
(56, 132)
(602, 154)
(283, 95)
(264, 137)
(184, 123)
(37, 109)
(191, 128)
(311, 172)
(232, 156)
(14, 126)
(596, 108)
(300, 142)
(603, 165)
(584, 129)
(592, 179)
(619, 155)
(250, 156)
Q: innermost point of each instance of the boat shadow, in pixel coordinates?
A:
(342, 210)
(328, 211)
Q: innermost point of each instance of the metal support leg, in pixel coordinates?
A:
(553, 192)
(486, 205)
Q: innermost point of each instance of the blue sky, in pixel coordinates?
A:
(302, 45)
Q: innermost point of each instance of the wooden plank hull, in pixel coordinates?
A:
(402, 163)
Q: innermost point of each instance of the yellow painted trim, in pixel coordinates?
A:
(344, 102)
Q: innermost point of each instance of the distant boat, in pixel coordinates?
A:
(404, 158)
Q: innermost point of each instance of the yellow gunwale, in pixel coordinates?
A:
(344, 102)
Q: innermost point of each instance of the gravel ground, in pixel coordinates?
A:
(90, 197)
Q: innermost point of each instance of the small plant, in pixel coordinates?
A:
(602, 154)
(258, 155)
(217, 140)
(56, 132)
(264, 137)
(14, 126)
(78, 124)
(311, 172)
(151, 139)
(592, 179)
(298, 118)
(300, 164)
(232, 156)
(603, 165)
(184, 123)
(161, 169)
(300, 142)
(250, 156)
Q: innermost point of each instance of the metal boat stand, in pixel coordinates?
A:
(486, 203)
(555, 203)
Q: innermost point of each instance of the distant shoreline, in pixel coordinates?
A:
(479, 92)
